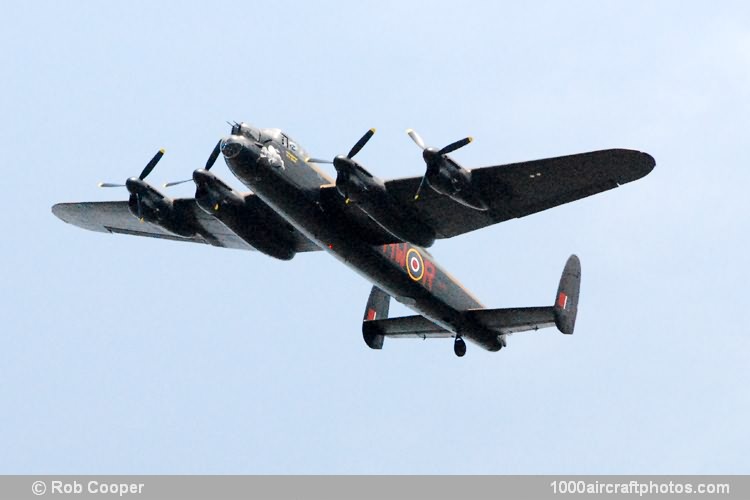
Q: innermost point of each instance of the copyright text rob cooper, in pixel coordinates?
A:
(93, 487)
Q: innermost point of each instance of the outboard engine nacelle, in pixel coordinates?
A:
(447, 177)
(148, 204)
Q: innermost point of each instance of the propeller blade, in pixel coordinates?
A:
(317, 160)
(419, 189)
(361, 143)
(151, 164)
(170, 184)
(110, 185)
(214, 154)
(456, 145)
(415, 137)
(138, 202)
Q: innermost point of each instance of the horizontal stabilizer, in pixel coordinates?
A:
(404, 327)
(516, 319)
(500, 321)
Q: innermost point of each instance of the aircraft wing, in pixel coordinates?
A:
(114, 217)
(520, 189)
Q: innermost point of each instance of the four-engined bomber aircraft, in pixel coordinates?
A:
(379, 228)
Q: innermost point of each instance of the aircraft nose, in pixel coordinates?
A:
(231, 147)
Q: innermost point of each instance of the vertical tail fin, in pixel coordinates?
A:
(566, 300)
(377, 308)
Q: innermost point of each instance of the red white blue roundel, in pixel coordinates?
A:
(414, 264)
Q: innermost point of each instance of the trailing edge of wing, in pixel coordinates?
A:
(114, 217)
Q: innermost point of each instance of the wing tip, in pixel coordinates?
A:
(647, 163)
(77, 214)
(61, 211)
(641, 167)
(633, 164)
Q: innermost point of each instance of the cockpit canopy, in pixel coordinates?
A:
(271, 134)
(246, 130)
(265, 135)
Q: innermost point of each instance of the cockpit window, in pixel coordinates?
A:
(250, 132)
(286, 141)
(266, 135)
(270, 134)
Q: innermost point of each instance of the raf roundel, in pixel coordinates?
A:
(414, 264)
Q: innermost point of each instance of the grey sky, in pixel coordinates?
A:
(127, 355)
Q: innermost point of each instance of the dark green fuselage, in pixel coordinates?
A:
(292, 187)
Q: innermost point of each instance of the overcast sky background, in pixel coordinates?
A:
(129, 355)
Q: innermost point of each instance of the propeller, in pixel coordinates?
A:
(209, 163)
(147, 170)
(344, 164)
(429, 153)
(421, 184)
(447, 149)
(416, 138)
(361, 143)
(355, 149)
(455, 145)
(144, 173)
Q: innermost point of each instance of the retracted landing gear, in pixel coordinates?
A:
(459, 347)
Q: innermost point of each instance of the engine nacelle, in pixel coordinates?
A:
(246, 216)
(455, 182)
(148, 204)
(212, 194)
(360, 187)
(355, 183)
(448, 178)
(259, 226)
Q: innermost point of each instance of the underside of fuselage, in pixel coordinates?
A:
(405, 271)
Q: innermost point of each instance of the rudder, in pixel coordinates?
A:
(566, 300)
(377, 308)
